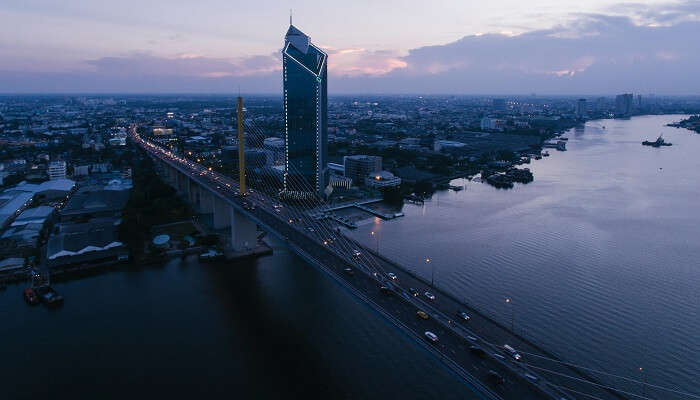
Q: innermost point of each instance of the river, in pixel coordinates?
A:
(267, 329)
(599, 255)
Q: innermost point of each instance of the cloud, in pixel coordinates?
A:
(362, 62)
(631, 47)
(185, 65)
(594, 53)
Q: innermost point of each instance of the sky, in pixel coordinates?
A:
(380, 46)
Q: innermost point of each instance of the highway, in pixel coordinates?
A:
(390, 295)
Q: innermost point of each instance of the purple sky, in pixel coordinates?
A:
(409, 46)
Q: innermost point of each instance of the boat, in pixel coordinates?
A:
(30, 296)
(49, 296)
(211, 255)
(657, 143)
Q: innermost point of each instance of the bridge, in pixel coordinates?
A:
(471, 347)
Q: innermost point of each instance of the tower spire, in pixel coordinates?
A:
(290, 16)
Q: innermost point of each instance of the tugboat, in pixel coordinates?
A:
(49, 296)
(30, 296)
(657, 143)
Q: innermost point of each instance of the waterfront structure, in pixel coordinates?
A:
(304, 69)
(581, 108)
(57, 170)
(624, 104)
(358, 167)
(382, 179)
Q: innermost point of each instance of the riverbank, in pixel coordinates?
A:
(691, 123)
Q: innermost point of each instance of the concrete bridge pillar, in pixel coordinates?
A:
(205, 201)
(193, 197)
(172, 176)
(244, 232)
(222, 213)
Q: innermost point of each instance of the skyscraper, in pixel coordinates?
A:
(581, 108)
(305, 116)
(623, 105)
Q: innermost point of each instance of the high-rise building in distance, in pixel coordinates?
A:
(304, 69)
(624, 105)
(581, 108)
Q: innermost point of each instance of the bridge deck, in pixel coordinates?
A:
(399, 307)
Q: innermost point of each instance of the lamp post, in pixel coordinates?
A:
(509, 301)
(373, 233)
(432, 273)
(644, 381)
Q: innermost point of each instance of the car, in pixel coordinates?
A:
(464, 316)
(513, 353)
(477, 351)
(431, 336)
(385, 289)
(392, 276)
(310, 229)
(429, 295)
(495, 378)
(422, 314)
(531, 378)
(413, 291)
(499, 356)
(349, 271)
(356, 253)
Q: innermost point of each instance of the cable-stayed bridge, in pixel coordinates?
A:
(471, 353)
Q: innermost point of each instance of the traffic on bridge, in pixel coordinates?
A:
(443, 326)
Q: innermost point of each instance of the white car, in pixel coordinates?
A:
(516, 356)
(431, 336)
(429, 295)
(392, 276)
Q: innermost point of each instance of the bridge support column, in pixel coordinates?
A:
(244, 232)
(205, 201)
(194, 197)
(222, 213)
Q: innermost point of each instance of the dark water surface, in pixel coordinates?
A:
(275, 328)
(600, 254)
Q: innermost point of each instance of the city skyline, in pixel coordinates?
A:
(592, 47)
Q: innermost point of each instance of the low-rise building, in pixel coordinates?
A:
(57, 170)
(492, 124)
(382, 179)
(359, 166)
(91, 242)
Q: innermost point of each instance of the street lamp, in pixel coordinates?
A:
(512, 314)
(644, 381)
(432, 273)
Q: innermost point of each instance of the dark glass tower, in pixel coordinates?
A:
(305, 116)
